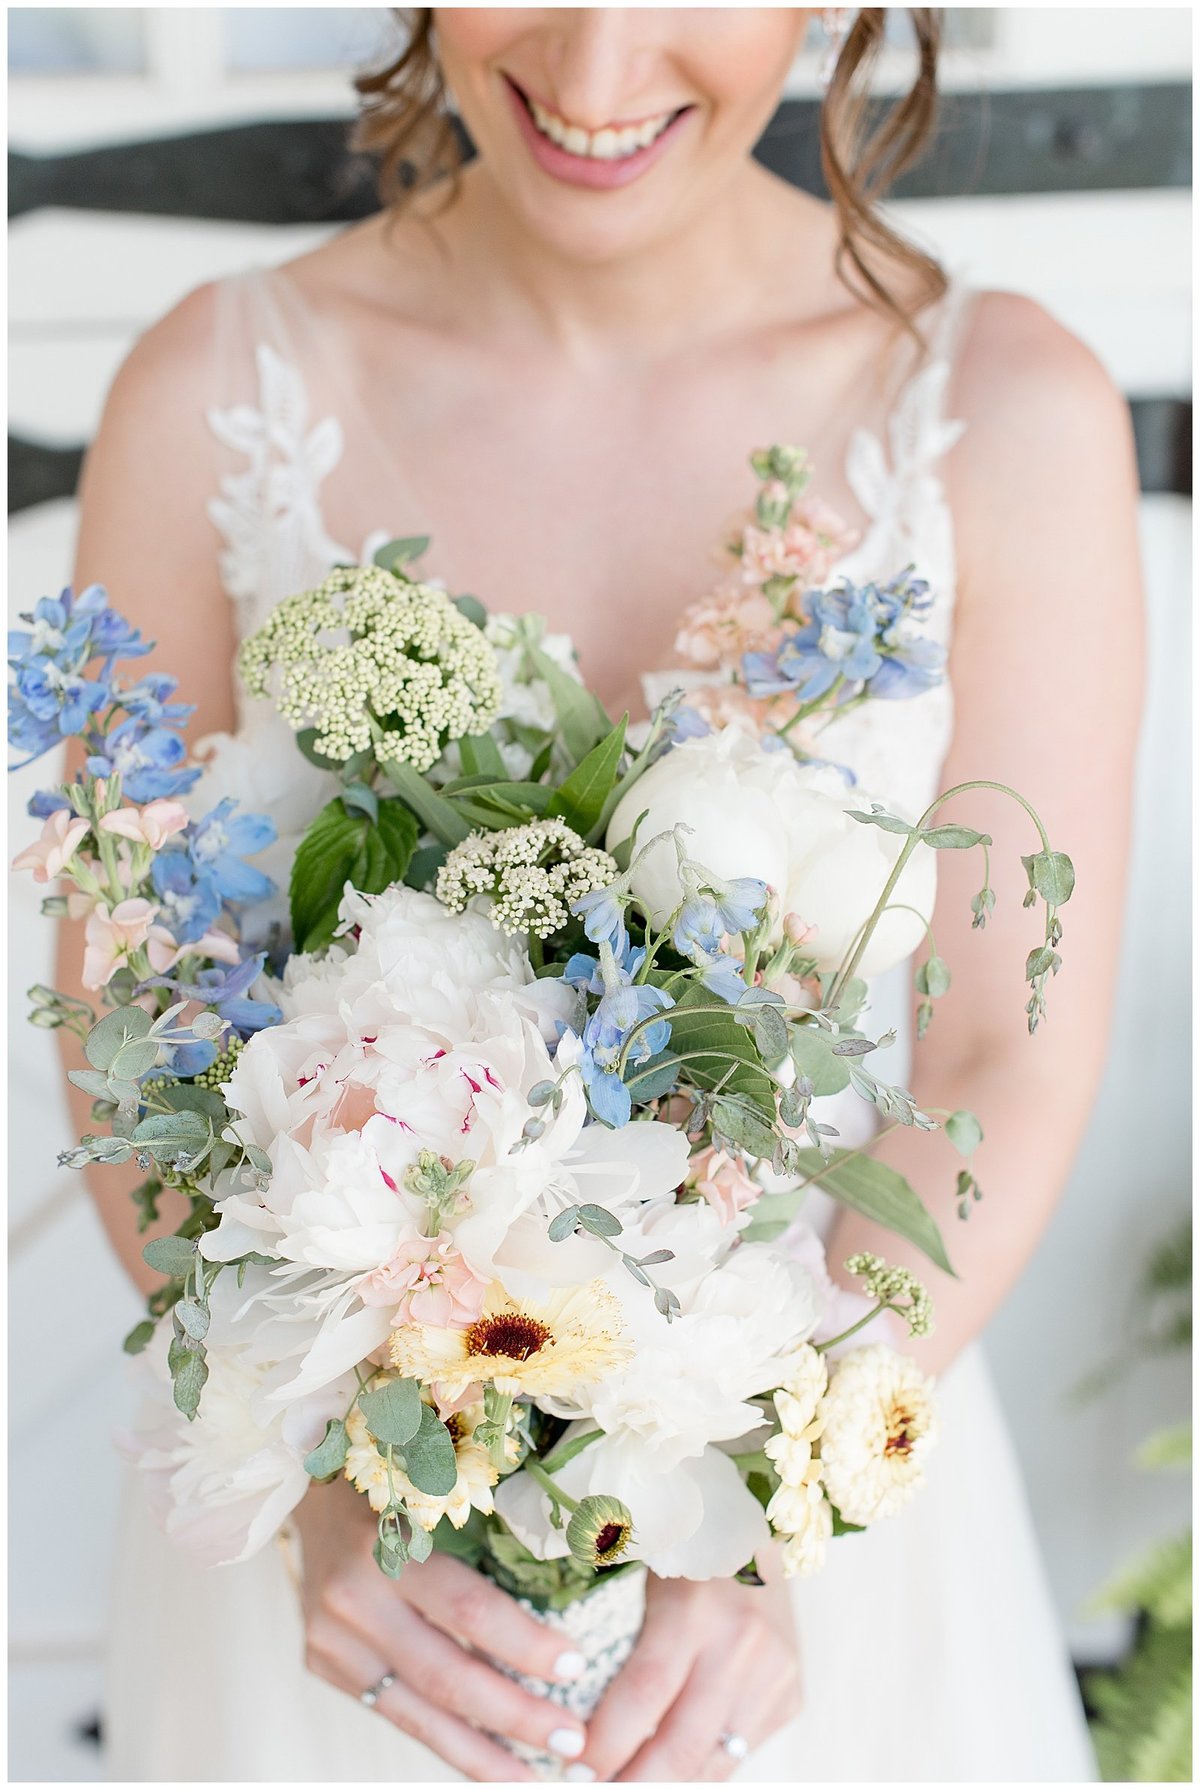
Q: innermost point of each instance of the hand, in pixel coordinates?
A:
(713, 1658)
(421, 1627)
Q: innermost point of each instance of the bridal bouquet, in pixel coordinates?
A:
(495, 1150)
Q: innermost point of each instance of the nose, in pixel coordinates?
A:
(597, 58)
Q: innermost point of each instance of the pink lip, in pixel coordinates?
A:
(580, 170)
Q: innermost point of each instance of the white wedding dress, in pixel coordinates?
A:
(930, 1649)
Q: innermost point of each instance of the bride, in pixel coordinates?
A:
(555, 362)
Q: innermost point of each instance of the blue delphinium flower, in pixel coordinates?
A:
(49, 698)
(725, 978)
(148, 759)
(858, 636)
(712, 910)
(219, 845)
(224, 991)
(188, 898)
(149, 700)
(622, 1005)
(603, 914)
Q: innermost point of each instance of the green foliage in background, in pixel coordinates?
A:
(1142, 1726)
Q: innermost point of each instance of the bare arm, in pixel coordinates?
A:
(1047, 675)
(144, 533)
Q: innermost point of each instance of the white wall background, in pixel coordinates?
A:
(1114, 267)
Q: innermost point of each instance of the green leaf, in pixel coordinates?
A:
(880, 1194)
(306, 739)
(812, 1053)
(91, 1081)
(742, 1125)
(1167, 1448)
(471, 608)
(600, 1221)
(109, 1034)
(713, 1047)
(842, 1527)
(180, 1131)
(964, 1131)
(563, 1224)
(394, 555)
(189, 1377)
(581, 718)
(952, 838)
(495, 805)
(188, 1097)
(139, 1336)
(193, 1317)
(877, 818)
(360, 798)
(466, 1543)
(481, 756)
(429, 1458)
(1052, 874)
(329, 1456)
(431, 809)
(392, 1413)
(343, 847)
(173, 1256)
(424, 865)
(580, 801)
(933, 977)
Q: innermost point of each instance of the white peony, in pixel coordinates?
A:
(695, 1520)
(222, 1484)
(758, 813)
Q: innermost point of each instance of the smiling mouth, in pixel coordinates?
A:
(612, 143)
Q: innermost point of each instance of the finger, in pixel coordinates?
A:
(470, 1608)
(686, 1745)
(642, 1692)
(451, 1679)
(340, 1656)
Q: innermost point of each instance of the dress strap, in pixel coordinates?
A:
(272, 460)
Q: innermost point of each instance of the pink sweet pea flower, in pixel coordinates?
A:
(110, 938)
(429, 1282)
(164, 953)
(723, 1181)
(51, 854)
(152, 825)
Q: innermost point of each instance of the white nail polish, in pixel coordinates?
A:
(570, 1665)
(579, 1774)
(568, 1743)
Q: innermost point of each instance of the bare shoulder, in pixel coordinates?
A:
(1033, 396)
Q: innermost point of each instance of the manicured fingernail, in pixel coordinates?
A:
(568, 1743)
(570, 1665)
(579, 1774)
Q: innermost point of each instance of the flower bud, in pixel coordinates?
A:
(599, 1531)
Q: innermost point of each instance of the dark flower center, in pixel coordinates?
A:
(900, 1437)
(509, 1333)
(611, 1542)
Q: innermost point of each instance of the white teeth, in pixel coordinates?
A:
(607, 145)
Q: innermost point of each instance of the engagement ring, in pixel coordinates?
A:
(372, 1694)
(736, 1745)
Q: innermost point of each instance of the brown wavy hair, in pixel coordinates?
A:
(865, 146)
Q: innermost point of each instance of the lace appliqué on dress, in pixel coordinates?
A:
(269, 515)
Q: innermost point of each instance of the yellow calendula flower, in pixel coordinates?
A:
(879, 1425)
(367, 1471)
(528, 1348)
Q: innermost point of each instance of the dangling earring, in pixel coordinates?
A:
(835, 23)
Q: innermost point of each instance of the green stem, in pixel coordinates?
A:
(805, 709)
(536, 1471)
(823, 1347)
(906, 851)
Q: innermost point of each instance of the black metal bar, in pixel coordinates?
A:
(1074, 139)
(1162, 430)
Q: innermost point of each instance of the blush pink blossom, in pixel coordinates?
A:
(49, 856)
(716, 631)
(164, 953)
(152, 825)
(724, 1183)
(429, 1282)
(807, 548)
(110, 938)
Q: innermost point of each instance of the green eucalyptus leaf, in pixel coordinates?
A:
(933, 977)
(91, 1081)
(173, 1256)
(329, 1456)
(111, 1033)
(429, 1458)
(564, 1224)
(189, 1378)
(712, 1048)
(813, 1055)
(392, 1412)
(393, 556)
(964, 1131)
(890, 823)
(952, 838)
(600, 1221)
(193, 1317)
(471, 608)
(1052, 874)
(139, 1336)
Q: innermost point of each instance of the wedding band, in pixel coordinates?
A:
(372, 1694)
(736, 1745)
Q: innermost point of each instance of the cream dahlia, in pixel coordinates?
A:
(879, 1425)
